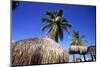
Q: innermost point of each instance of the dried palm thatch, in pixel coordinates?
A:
(77, 49)
(83, 49)
(73, 49)
(38, 51)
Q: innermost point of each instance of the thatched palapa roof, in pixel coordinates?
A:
(38, 51)
(78, 49)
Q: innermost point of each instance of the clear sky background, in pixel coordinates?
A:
(26, 20)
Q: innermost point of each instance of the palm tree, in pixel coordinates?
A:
(77, 39)
(78, 42)
(56, 23)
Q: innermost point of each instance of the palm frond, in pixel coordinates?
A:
(50, 29)
(64, 20)
(47, 20)
(60, 13)
(55, 13)
(67, 28)
(50, 14)
(46, 27)
(65, 23)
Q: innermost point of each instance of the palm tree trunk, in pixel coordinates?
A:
(54, 36)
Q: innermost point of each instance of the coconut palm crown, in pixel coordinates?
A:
(55, 23)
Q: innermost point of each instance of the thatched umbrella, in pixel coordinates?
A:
(38, 51)
(78, 49)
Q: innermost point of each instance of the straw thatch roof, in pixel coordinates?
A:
(38, 51)
(77, 49)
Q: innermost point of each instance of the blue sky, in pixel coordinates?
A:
(26, 20)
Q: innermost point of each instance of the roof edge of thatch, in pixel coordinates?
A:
(81, 49)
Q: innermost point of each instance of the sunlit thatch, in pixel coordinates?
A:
(38, 51)
(77, 49)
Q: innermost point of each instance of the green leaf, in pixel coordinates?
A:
(47, 20)
(64, 20)
(50, 14)
(46, 27)
(60, 13)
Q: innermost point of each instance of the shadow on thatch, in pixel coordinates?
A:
(37, 51)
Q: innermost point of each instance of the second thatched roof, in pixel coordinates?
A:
(77, 49)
